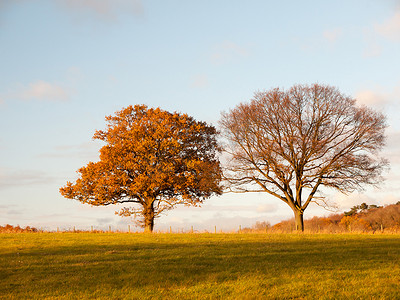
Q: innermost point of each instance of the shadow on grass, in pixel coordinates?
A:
(138, 265)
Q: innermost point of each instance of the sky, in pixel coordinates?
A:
(66, 64)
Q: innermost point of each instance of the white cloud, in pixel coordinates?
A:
(228, 51)
(266, 208)
(390, 28)
(379, 97)
(41, 90)
(392, 151)
(348, 201)
(332, 35)
(104, 9)
(389, 199)
(371, 98)
(345, 202)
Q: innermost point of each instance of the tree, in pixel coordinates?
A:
(360, 208)
(152, 158)
(289, 143)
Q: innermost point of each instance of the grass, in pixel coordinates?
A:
(206, 266)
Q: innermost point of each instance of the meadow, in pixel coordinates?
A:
(199, 266)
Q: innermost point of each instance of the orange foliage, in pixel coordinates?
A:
(153, 158)
(17, 229)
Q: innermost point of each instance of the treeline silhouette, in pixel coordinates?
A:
(360, 218)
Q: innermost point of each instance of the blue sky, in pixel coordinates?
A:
(66, 64)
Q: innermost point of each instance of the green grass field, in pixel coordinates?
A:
(222, 266)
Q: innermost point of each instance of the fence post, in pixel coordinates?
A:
(74, 228)
(58, 230)
(215, 229)
(240, 228)
(109, 228)
(91, 228)
(129, 228)
(192, 230)
(170, 229)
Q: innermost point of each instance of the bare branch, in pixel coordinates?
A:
(294, 142)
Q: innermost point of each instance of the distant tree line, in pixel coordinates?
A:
(360, 218)
(17, 229)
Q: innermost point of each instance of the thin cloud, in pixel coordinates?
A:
(324, 40)
(347, 201)
(267, 208)
(332, 35)
(11, 210)
(210, 207)
(392, 148)
(40, 90)
(221, 221)
(14, 212)
(378, 97)
(108, 10)
(262, 208)
(371, 98)
(86, 150)
(228, 51)
(390, 28)
(104, 9)
(103, 221)
(22, 177)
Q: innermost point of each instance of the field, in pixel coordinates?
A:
(187, 266)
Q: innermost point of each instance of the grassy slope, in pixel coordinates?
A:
(143, 266)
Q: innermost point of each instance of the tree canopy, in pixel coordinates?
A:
(153, 159)
(289, 143)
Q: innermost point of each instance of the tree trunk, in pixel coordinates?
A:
(148, 225)
(149, 221)
(298, 220)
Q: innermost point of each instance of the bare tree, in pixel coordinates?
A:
(289, 143)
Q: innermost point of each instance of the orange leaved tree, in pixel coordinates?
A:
(152, 159)
(290, 143)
